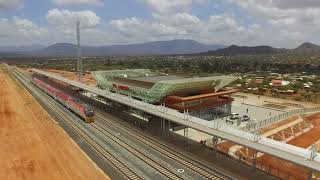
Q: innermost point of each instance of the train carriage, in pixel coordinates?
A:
(63, 98)
(75, 105)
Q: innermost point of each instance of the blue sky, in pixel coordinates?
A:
(280, 23)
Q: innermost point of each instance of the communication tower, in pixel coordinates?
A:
(79, 59)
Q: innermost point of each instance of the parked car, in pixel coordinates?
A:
(245, 118)
(234, 116)
(230, 120)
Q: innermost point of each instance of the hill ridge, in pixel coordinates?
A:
(263, 50)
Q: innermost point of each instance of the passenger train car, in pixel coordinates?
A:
(75, 105)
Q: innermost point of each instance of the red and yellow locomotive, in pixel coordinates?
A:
(75, 105)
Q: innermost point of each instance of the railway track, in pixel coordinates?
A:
(161, 168)
(146, 157)
(45, 100)
(182, 159)
(152, 161)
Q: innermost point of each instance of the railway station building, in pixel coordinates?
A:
(204, 97)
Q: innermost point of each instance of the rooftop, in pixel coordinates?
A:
(154, 79)
(143, 84)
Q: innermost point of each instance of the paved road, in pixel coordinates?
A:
(255, 112)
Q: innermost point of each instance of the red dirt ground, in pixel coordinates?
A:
(33, 146)
(277, 124)
(310, 137)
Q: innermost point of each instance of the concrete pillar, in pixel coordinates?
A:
(164, 125)
(310, 174)
(115, 106)
(129, 111)
(254, 160)
(185, 132)
(215, 143)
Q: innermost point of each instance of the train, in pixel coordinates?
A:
(75, 105)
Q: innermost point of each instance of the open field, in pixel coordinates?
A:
(33, 146)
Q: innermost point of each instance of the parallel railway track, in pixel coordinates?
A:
(129, 173)
(45, 100)
(197, 167)
(152, 161)
(182, 159)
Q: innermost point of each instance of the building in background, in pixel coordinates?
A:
(203, 97)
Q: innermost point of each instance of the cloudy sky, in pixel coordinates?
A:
(280, 23)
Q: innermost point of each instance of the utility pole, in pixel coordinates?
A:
(79, 59)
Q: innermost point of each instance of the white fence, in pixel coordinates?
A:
(257, 125)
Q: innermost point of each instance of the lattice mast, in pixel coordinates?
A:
(79, 59)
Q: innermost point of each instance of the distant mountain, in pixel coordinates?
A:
(243, 50)
(174, 47)
(59, 49)
(307, 48)
(304, 50)
(8, 49)
(150, 48)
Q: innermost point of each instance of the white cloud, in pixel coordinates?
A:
(295, 4)
(183, 22)
(218, 29)
(16, 31)
(137, 28)
(167, 6)
(225, 29)
(172, 21)
(178, 19)
(269, 22)
(62, 24)
(10, 4)
(65, 19)
(61, 27)
(78, 2)
(222, 23)
(292, 21)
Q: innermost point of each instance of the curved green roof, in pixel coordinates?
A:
(161, 88)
